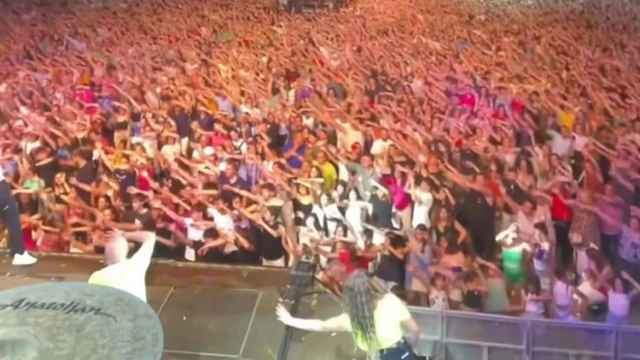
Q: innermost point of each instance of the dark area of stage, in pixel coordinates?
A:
(208, 311)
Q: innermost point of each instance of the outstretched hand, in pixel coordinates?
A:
(114, 234)
(283, 314)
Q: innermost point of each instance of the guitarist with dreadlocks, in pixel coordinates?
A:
(380, 323)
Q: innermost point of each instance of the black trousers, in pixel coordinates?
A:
(11, 218)
(563, 245)
(401, 351)
(609, 246)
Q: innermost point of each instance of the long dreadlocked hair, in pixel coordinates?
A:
(360, 300)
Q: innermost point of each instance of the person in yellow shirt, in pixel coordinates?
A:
(328, 171)
(380, 322)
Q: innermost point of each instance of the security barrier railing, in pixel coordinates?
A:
(451, 335)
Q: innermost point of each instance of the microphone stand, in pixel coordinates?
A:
(301, 279)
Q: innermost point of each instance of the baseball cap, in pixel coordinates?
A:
(68, 321)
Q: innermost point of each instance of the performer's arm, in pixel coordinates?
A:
(338, 323)
(148, 240)
(124, 226)
(412, 331)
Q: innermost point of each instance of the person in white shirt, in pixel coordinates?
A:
(562, 143)
(348, 135)
(534, 299)
(380, 146)
(226, 227)
(593, 299)
(127, 274)
(10, 216)
(423, 201)
(170, 150)
(619, 302)
(563, 297)
(223, 221)
(195, 226)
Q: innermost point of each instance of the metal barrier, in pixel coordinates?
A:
(451, 335)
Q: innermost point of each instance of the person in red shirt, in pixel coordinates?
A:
(561, 214)
(343, 261)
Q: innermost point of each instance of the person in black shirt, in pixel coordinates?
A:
(126, 178)
(382, 210)
(139, 215)
(392, 263)
(268, 236)
(205, 121)
(183, 127)
(85, 175)
(477, 213)
(46, 165)
(277, 137)
(230, 178)
(513, 189)
(474, 290)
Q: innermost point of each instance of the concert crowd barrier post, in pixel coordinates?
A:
(452, 335)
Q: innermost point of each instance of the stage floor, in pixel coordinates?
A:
(208, 311)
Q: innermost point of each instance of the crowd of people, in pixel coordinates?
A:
(471, 157)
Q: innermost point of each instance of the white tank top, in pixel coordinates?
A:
(619, 304)
(193, 233)
(562, 294)
(535, 307)
(582, 261)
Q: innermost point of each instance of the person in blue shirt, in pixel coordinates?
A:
(294, 149)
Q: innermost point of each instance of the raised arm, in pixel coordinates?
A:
(171, 214)
(81, 205)
(334, 324)
(615, 173)
(84, 187)
(604, 216)
(148, 240)
(633, 282)
(124, 226)
(462, 232)
(509, 201)
(244, 193)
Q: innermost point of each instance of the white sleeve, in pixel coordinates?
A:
(142, 257)
(343, 172)
(337, 323)
(378, 147)
(428, 200)
(368, 208)
(218, 218)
